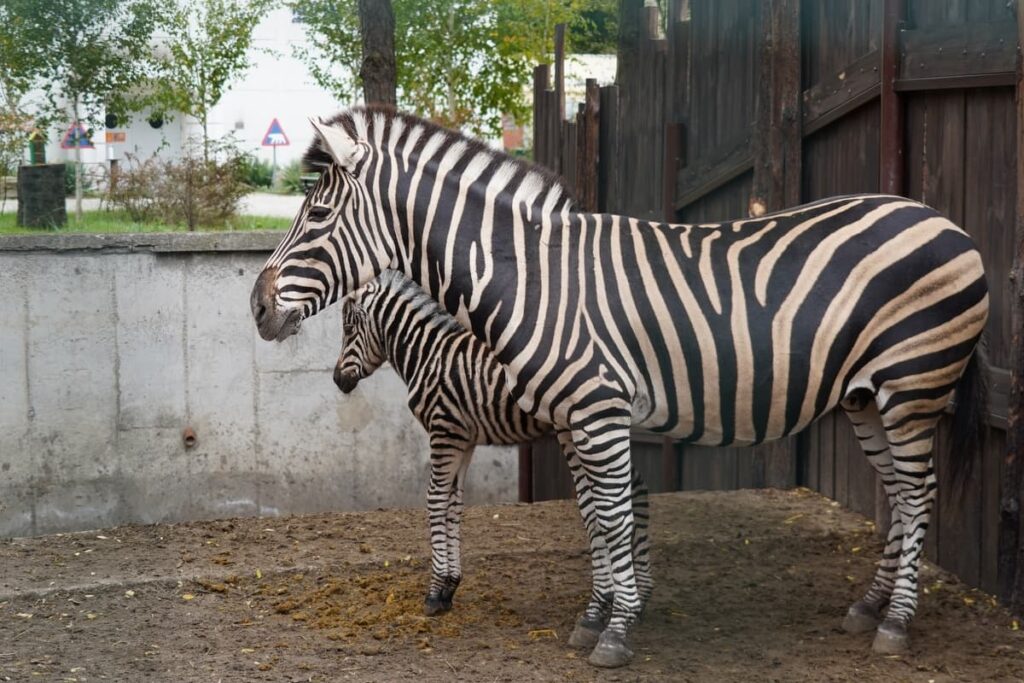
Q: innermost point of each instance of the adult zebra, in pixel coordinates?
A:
(731, 333)
(457, 391)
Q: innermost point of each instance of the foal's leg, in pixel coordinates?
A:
(454, 530)
(865, 614)
(446, 459)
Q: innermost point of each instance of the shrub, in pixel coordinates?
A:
(255, 171)
(187, 190)
(289, 179)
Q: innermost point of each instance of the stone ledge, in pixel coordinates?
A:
(156, 242)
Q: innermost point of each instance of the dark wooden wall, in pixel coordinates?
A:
(742, 106)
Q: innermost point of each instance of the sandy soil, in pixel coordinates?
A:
(751, 587)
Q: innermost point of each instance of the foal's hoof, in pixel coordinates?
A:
(434, 606)
(891, 639)
(610, 651)
(861, 618)
(586, 633)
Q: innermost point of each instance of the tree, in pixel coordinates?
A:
(377, 71)
(19, 64)
(86, 57)
(208, 44)
(463, 63)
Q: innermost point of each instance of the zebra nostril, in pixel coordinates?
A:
(261, 311)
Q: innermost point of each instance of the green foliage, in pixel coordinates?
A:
(208, 42)
(85, 56)
(289, 179)
(462, 63)
(194, 190)
(119, 221)
(256, 172)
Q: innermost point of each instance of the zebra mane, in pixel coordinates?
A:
(316, 157)
(395, 283)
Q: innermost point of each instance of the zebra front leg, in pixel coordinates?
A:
(865, 614)
(641, 541)
(590, 624)
(446, 457)
(454, 529)
(602, 444)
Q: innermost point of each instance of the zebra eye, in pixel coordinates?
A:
(319, 213)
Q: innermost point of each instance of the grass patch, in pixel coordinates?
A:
(119, 221)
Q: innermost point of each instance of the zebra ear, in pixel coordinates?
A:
(336, 142)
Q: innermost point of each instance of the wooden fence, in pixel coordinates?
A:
(735, 107)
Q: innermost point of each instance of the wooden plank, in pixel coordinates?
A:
(608, 152)
(674, 137)
(991, 471)
(847, 107)
(858, 82)
(958, 50)
(670, 465)
(827, 450)
(541, 75)
(959, 523)
(956, 82)
(697, 181)
(551, 477)
(1011, 494)
(891, 144)
(587, 149)
(560, 69)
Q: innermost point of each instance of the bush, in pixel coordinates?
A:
(256, 172)
(289, 179)
(188, 190)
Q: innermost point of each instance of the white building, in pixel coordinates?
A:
(275, 86)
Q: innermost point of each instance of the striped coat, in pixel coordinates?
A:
(457, 391)
(728, 333)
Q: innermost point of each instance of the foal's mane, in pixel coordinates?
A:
(316, 157)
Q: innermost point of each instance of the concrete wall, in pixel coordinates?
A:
(111, 345)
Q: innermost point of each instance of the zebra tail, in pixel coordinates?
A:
(970, 420)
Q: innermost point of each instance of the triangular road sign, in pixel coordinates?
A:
(275, 136)
(76, 138)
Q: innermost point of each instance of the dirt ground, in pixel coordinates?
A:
(751, 586)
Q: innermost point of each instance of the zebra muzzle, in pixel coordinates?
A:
(345, 380)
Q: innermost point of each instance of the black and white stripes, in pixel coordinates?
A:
(457, 391)
(730, 333)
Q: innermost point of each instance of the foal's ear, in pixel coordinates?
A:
(339, 144)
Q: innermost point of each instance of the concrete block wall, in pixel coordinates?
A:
(112, 345)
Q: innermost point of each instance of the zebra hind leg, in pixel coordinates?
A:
(641, 541)
(865, 614)
(910, 429)
(589, 625)
(446, 458)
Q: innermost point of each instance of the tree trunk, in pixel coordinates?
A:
(78, 170)
(378, 71)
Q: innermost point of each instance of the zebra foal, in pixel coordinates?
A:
(457, 391)
(721, 334)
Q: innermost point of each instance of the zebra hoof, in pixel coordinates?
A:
(861, 618)
(891, 639)
(610, 651)
(586, 634)
(434, 606)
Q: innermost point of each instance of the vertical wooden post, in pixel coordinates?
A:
(607, 155)
(587, 160)
(777, 144)
(1011, 559)
(525, 473)
(891, 133)
(560, 69)
(541, 144)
